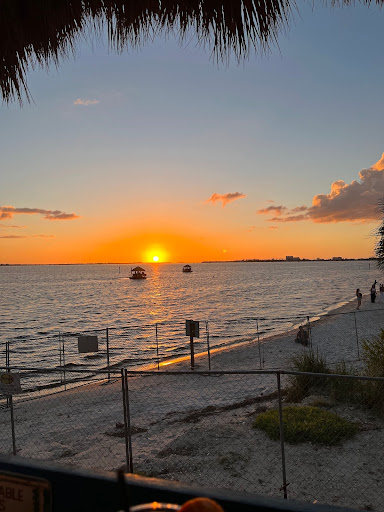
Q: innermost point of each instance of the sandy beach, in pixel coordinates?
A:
(197, 428)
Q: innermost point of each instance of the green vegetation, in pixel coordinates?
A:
(345, 390)
(369, 394)
(372, 393)
(302, 385)
(302, 424)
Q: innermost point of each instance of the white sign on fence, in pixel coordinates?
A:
(24, 494)
(87, 344)
(10, 384)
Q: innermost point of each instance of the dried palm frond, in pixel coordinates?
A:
(42, 32)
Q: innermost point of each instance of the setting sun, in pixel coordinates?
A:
(155, 258)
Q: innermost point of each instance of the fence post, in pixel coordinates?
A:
(284, 486)
(157, 350)
(7, 364)
(109, 371)
(12, 426)
(65, 381)
(61, 375)
(125, 418)
(258, 341)
(357, 336)
(309, 332)
(127, 421)
(208, 349)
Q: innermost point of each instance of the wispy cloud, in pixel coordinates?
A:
(85, 103)
(10, 226)
(13, 236)
(225, 198)
(27, 236)
(272, 210)
(354, 202)
(7, 212)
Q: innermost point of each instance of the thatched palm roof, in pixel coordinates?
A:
(42, 32)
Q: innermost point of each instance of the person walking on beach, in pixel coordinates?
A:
(359, 296)
(373, 292)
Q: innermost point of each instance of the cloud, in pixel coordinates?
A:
(252, 228)
(27, 236)
(7, 212)
(354, 202)
(225, 198)
(85, 103)
(273, 227)
(275, 210)
(13, 236)
(10, 226)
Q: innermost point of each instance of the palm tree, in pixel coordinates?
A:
(43, 32)
(379, 247)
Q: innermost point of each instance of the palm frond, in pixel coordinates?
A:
(43, 32)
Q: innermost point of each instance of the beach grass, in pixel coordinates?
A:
(306, 424)
(302, 385)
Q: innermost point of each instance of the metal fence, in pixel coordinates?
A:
(202, 428)
(154, 346)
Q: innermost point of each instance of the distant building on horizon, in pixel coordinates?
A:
(337, 258)
(292, 258)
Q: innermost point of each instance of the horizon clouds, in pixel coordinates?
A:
(7, 212)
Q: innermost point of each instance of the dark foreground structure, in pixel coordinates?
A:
(59, 489)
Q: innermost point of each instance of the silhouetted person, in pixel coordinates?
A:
(373, 292)
(302, 336)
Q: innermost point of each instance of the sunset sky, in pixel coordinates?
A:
(163, 152)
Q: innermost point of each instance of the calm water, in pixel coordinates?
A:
(38, 302)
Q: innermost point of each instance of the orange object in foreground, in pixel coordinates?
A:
(201, 505)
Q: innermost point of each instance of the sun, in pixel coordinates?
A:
(155, 258)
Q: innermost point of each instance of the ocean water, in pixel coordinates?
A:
(43, 304)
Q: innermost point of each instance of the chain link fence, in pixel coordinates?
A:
(154, 346)
(304, 436)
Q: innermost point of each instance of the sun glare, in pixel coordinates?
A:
(155, 258)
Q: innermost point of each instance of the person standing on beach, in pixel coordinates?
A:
(373, 292)
(359, 296)
(381, 296)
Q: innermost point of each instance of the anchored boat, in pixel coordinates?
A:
(138, 273)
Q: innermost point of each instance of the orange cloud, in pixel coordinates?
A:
(225, 198)
(356, 202)
(7, 212)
